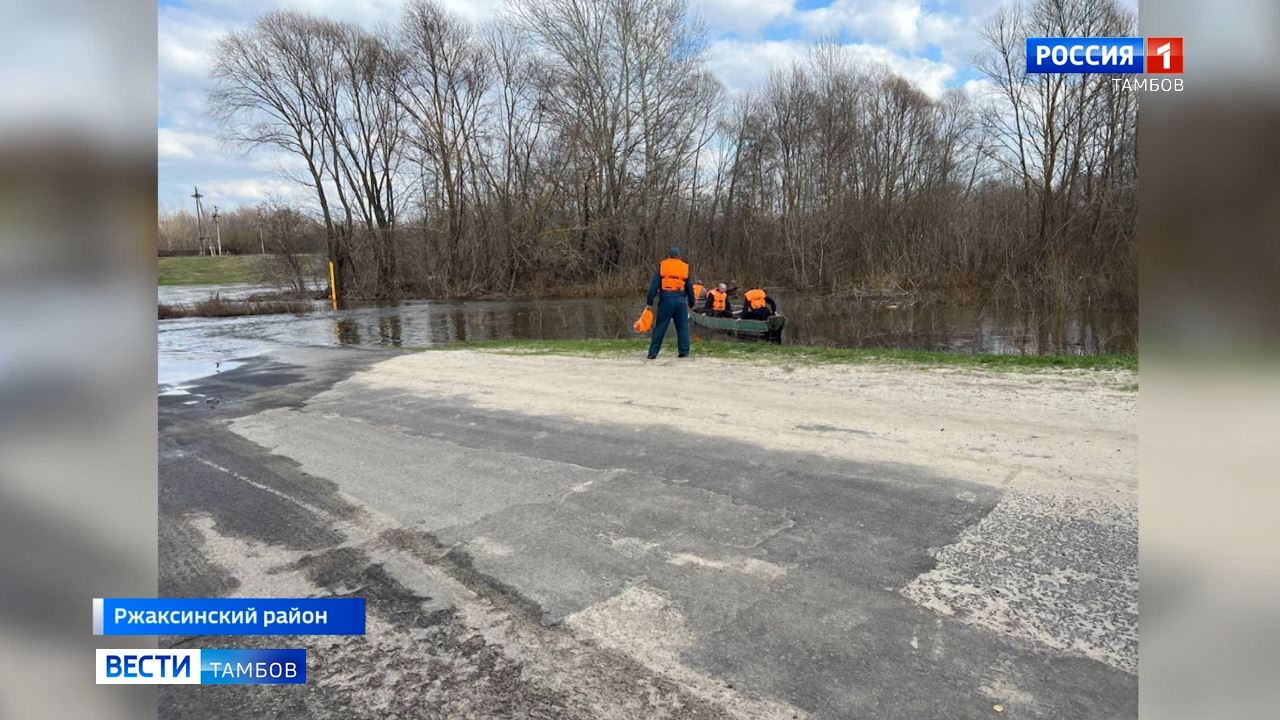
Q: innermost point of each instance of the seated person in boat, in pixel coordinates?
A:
(699, 291)
(717, 302)
(757, 305)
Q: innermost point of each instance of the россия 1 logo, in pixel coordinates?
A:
(1116, 55)
(1164, 56)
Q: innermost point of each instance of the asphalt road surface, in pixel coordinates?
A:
(645, 556)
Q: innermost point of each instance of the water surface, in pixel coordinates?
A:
(195, 345)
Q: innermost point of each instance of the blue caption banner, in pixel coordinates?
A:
(1120, 55)
(228, 616)
(253, 667)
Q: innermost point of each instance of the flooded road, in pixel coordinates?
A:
(195, 347)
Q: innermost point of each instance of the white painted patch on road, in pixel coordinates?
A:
(262, 570)
(1059, 571)
(640, 623)
(744, 565)
(488, 546)
(631, 547)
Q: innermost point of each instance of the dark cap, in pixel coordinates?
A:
(673, 252)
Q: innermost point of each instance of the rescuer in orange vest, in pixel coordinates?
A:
(757, 305)
(717, 303)
(699, 290)
(674, 294)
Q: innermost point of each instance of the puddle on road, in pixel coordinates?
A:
(186, 356)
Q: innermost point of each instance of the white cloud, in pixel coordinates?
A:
(981, 89)
(893, 21)
(743, 65)
(367, 13)
(745, 17)
(173, 145)
(184, 46)
(251, 191)
(892, 32)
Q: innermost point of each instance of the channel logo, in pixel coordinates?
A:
(1164, 56)
(1112, 56)
(217, 666)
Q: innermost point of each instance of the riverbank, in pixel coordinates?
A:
(1066, 424)
(790, 355)
(230, 269)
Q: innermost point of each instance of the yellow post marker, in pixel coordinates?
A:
(333, 287)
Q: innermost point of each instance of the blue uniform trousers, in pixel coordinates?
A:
(672, 306)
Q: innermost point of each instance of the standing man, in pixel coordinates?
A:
(674, 293)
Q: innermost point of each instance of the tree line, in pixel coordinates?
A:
(569, 142)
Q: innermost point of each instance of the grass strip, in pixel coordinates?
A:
(209, 270)
(808, 355)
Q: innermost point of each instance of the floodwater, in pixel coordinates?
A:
(195, 347)
(190, 294)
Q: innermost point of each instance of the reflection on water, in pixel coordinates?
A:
(997, 327)
(190, 346)
(813, 320)
(426, 323)
(810, 320)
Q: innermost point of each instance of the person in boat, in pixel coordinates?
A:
(673, 292)
(699, 291)
(757, 305)
(717, 302)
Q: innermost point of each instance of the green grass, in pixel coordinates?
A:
(209, 270)
(804, 355)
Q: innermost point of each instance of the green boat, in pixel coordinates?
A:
(770, 329)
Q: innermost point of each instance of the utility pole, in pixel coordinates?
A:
(201, 238)
(262, 244)
(217, 229)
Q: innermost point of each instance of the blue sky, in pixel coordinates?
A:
(928, 41)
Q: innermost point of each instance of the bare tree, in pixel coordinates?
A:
(440, 85)
(267, 85)
(571, 141)
(289, 236)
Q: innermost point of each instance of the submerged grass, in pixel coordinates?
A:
(806, 355)
(217, 307)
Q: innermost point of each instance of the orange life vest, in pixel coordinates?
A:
(674, 272)
(644, 323)
(699, 290)
(718, 299)
(754, 298)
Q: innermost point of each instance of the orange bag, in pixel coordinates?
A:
(645, 323)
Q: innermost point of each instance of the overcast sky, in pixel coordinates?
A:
(929, 42)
